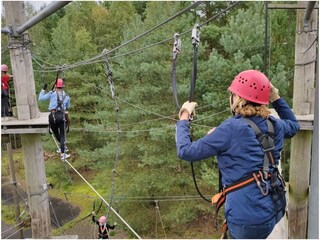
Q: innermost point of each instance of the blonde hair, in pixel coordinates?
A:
(247, 109)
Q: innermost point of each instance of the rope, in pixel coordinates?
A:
(14, 233)
(112, 89)
(54, 214)
(9, 229)
(115, 212)
(94, 59)
(133, 39)
(158, 210)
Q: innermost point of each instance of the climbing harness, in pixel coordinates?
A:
(112, 89)
(277, 182)
(176, 51)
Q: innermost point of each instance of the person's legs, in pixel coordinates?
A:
(62, 137)
(54, 127)
(3, 100)
(4, 103)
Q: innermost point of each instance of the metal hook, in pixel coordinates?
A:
(195, 36)
(259, 183)
(176, 45)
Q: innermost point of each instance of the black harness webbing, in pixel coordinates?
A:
(267, 144)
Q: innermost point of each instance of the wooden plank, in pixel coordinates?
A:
(300, 5)
(42, 119)
(24, 131)
(305, 121)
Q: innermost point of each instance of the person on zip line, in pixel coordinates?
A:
(104, 227)
(58, 117)
(5, 91)
(253, 188)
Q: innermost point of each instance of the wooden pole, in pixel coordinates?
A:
(14, 185)
(25, 94)
(21, 63)
(303, 104)
(36, 185)
(313, 220)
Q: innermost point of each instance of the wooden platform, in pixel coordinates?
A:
(305, 121)
(11, 125)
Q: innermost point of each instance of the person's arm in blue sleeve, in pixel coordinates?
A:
(288, 121)
(43, 96)
(208, 146)
(67, 103)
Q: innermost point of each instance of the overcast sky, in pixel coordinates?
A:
(38, 4)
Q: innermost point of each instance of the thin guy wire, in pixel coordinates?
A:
(115, 212)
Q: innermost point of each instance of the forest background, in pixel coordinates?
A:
(148, 168)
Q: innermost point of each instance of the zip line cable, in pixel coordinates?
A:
(135, 38)
(150, 129)
(116, 108)
(115, 212)
(14, 233)
(158, 211)
(89, 61)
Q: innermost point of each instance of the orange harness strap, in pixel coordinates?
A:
(219, 199)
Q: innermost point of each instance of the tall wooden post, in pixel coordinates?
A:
(25, 94)
(303, 104)
(14, 184)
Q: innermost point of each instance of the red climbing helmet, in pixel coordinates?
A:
(102, 219)
(59, 83)
(251, 85)
(4, 68)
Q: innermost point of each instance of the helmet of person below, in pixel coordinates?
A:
(4, 68)
(102, 219)
(59, 83)
(251, 85)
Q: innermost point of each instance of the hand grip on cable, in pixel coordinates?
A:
(187, 107)
(274, 93)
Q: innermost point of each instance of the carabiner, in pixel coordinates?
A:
(176, 45)
(265, 193)
(195, 36)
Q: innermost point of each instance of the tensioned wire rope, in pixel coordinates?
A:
(114, 211)
(94, 59)
(88, 61)
(146, 47)
(142, 130)
(170, 117)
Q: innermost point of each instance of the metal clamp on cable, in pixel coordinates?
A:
(176, 45)
(196, 34)
(62, 71)
(45, 189)
(108, 72)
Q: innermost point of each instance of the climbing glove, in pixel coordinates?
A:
(190, 108)
(45, 86)
(274, 93)
(93, 213)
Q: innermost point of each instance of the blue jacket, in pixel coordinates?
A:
(52, 95)
(239, 154)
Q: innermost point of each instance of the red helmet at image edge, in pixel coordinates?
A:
(102, 219)
(251, 85)
(4, 68)
(59, 83)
